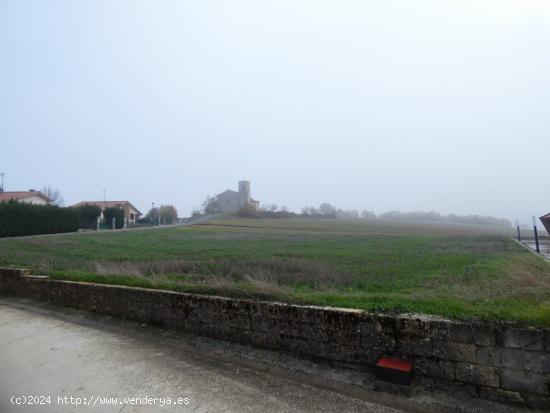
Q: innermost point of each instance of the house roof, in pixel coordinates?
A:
(228, 192)
(16, 195)
(108, 204)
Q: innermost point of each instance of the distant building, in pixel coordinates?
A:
(545, 219)
(231, 201)
(131, 213)
(29, 197)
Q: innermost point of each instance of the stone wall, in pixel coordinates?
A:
(500, 362)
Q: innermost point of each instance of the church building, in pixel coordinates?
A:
(231, 201)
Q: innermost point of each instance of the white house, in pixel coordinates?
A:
(29, 197)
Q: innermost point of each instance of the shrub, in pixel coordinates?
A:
(18, 219)
(117, 214)
(248, 211)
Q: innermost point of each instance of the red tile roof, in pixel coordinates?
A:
(7, 196)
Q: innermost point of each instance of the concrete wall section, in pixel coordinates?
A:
(499, 362)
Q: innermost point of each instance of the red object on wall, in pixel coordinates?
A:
(395, 364)
(394, 371)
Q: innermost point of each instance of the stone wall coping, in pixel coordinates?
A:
(425, 318)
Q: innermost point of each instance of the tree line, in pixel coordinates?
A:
(327, 210)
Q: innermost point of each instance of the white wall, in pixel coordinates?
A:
(34, 200)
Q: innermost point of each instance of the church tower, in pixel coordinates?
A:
(244, 193)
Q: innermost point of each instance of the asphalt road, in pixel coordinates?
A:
(544, 246)
(66, 359)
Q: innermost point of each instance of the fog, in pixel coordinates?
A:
(386, 105)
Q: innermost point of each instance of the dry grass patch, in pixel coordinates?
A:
(264, 273)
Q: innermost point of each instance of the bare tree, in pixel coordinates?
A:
(54, 195)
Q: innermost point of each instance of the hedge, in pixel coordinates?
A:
(19, 218)
(88, 215)
(114, 212)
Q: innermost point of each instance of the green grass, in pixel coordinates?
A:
(458, 271)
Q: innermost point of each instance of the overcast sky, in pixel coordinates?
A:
(380, 105)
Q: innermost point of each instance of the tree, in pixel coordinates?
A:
(54, 195)
(168, 214)
(349, 213)
(327, 209)
(368, 214)
(211, 205)
(310, 211)
(152, 216)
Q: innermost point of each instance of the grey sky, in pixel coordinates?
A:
(425, 105)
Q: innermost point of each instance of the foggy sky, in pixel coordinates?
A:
(380, 105)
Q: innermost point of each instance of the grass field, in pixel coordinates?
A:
(459, 271)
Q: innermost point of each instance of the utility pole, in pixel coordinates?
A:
(536, 234)
(104, 195)
(519, 233)
(2, 184)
